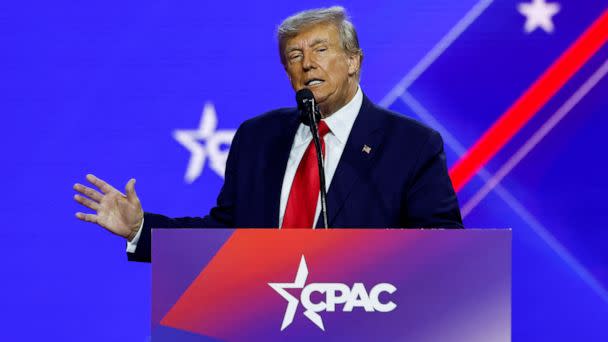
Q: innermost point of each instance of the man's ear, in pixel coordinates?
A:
(286, 73)
(354, 64)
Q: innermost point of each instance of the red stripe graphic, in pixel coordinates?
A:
(533, 99)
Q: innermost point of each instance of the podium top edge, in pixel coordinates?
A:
(343, 229)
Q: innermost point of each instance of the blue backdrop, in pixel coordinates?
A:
(154, 90)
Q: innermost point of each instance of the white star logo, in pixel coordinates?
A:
(292, 302)
(192, 139)
(538, 14)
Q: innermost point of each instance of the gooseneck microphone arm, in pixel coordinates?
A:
(310, 116)
(314, 129)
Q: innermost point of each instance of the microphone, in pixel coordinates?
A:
(310, 116)
(306, 100)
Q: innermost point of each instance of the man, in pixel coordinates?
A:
(383, 170)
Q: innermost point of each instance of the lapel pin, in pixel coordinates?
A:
(366, 149)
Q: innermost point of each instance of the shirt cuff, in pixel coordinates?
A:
(132, 245)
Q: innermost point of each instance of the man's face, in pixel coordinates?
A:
(315, 59)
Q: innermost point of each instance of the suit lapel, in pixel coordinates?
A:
(363, 144)
(275, 172)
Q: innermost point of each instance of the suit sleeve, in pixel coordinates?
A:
(430, 200)
(220, 216)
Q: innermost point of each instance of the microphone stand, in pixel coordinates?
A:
(314, 129)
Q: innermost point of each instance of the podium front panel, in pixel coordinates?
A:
(331, 285)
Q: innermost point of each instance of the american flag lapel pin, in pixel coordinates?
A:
(366, 149)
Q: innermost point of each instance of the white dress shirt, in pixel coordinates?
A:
(340, 124)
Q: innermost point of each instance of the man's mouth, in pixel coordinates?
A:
(313, 82)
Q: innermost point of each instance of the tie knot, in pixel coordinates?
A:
(323, 129)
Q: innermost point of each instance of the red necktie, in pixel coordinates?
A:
(304, 193)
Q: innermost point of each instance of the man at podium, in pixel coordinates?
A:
(382, 170)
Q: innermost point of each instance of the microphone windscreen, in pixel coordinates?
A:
(302, 96)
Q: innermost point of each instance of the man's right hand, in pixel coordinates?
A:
(120, 214)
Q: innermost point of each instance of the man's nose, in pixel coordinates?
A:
(308, 62)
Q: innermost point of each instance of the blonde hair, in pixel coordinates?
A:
(335, 15)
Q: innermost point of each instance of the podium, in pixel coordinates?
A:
(331, 285)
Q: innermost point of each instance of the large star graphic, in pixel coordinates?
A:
(292, 302)
(538, 14)
(205, 142)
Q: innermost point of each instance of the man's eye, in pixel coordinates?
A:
(321, 49)
(294, 57)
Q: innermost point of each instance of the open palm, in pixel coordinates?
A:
(118, 213)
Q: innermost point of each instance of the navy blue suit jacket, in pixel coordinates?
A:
(402, 183)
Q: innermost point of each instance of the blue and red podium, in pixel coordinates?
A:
(331, 285)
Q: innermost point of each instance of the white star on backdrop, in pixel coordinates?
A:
(205, 142)
(538, 14)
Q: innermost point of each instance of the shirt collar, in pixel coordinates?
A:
(340, 123)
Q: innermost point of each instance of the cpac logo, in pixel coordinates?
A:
(335, 293)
